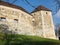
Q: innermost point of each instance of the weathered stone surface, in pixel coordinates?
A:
(38, 23)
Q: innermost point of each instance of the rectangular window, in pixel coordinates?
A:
(16, 20)
(2, 19)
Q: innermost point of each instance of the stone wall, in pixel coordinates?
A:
(38, 23)
(48, 24)
(19, 21)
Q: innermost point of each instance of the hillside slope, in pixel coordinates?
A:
(26, 40)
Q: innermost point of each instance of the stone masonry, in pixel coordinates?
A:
(38, 23)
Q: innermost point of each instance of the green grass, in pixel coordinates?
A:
(27, 40)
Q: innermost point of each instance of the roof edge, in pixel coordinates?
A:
(40, 8)
(13, 6)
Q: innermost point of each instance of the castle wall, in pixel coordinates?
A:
(17, 20)
(44, 24)
(48, 24)
(38, 23)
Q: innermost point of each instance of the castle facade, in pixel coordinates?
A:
(39, 22)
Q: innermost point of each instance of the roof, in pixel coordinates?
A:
(18, 7)
(41, 8)
(13, 6)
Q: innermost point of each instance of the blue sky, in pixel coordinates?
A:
(50, 4)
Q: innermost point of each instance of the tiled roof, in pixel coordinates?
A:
(18, 7)
(41, 8)
(13, 6)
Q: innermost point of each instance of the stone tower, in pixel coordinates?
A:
(38, 23)
(43, 22)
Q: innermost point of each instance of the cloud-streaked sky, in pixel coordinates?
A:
(56, 17)
(50, 4)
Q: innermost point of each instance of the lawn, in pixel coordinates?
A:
(26, 40)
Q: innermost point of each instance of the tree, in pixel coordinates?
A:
(4, 29)
(57, 30)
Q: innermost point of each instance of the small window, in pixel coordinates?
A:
(15, 20)
(33, 21)
(46, 13)
(2, 19)
(15, 29)
(2, 10)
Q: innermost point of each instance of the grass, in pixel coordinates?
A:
(27, 40)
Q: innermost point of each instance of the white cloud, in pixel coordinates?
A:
(57, 15)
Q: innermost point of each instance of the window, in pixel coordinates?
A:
(2, 10)
(46, 13)
(15, 29)
(33, 21)
(2, 19)
(15, 20)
